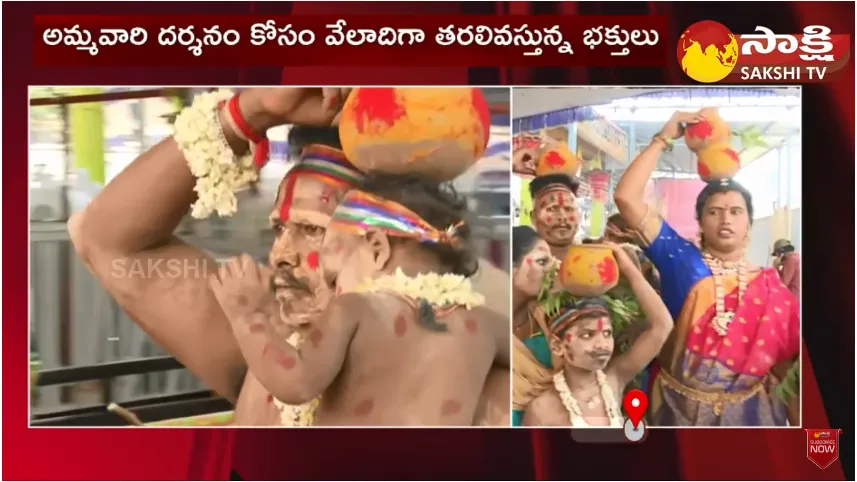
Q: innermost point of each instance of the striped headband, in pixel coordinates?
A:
(360, 211)
(328, 165)
(565, 319)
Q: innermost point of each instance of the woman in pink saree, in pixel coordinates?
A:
(737, 328)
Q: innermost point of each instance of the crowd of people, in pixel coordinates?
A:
(707, 335)
(373, 310)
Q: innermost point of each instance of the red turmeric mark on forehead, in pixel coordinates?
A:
(315, 338)
(553, 159)
(288, 196)
(607, 271)
(561, 200)
(364, 408)
(400, 326)
(600, 324)
(312, 260)
(285, 361)
(377, 105)
(471, 325)
(326, 194)
(450, 407)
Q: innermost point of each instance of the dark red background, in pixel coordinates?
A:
(426, 53)
(828, 383)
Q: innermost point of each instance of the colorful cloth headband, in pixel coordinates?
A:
(360, 211)
(327, 164)
(564, 320)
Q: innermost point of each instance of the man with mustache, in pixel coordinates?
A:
(133, 219)
(555, 214)
(405, 340)
(587, 387)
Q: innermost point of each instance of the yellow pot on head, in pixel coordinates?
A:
(557, 159)
(589, 270)
(710, 131)
(717, 162)
(437, 132)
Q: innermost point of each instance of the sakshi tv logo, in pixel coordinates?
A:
(709, 52)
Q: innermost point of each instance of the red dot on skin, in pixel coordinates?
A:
(312, 260)
(315, 338)
(400, 326)
(450, 407)
(471, 325)
(364, 408)
(269, 398)
(286, 361)
(529, 261)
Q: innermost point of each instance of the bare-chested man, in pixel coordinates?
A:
(133, 219)
(394, 347)
(588, 388)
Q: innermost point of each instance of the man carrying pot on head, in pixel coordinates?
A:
(133, 219)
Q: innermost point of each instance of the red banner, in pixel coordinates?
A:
(822, 446)
(426, 40)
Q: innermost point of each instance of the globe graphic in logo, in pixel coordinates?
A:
(707, 51)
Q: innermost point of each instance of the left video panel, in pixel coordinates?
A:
(270, 257)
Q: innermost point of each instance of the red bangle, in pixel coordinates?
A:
(263, 147)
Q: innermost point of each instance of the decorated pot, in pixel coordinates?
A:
(436, 132)
(557, 159)
(589, 270)
(710, 131)
(716, 162)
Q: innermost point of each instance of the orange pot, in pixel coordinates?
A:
(557, 159)
(589, 270)
(713, 130)
(717, 162)
(437, 132)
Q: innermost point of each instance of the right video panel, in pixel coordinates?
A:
(656, 265)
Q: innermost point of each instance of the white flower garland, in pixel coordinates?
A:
(218, 170)
(719, 268)
(575, 414)
(439, 290)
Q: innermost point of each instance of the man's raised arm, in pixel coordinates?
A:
(125, 237)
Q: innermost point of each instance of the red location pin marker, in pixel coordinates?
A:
(635, 403)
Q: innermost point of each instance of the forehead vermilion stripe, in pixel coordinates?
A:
(288, 196)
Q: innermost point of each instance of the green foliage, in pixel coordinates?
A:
(788, 388)
(751, 137)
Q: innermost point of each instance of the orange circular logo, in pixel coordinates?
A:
(707, 51)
